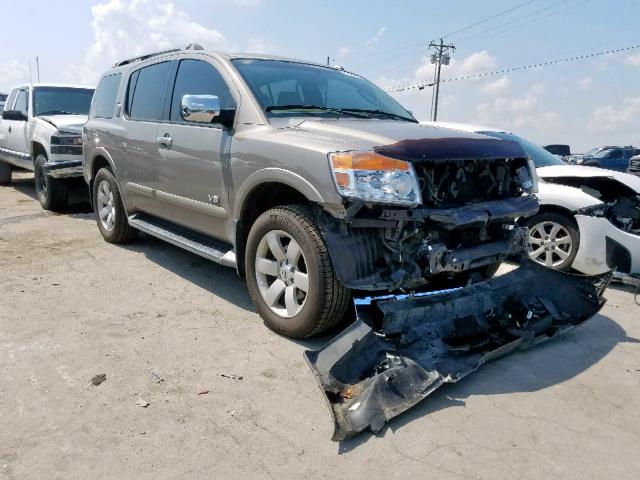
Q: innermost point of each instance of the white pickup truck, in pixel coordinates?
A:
(41, 131)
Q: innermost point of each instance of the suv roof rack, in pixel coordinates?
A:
(191, 46)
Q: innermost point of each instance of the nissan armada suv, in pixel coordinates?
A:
(309, 180)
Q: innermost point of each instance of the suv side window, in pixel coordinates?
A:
(104, 99)
(197, 77)
(21, 102)
(145, 94)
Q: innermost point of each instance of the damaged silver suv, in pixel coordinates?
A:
(309, 180)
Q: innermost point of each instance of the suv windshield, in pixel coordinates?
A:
(285, 88)
(541, 158)
(61, 100)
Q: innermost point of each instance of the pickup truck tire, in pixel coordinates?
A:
(52, 193)
(285, 255)
(554, 239)
(5, 173)
(110, 213)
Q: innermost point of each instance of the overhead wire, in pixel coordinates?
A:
(425, 83)
(484, 20)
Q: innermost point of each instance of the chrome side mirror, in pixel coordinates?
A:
(200, 108)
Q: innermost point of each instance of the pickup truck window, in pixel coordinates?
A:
(291, 88)
(21, 102)
(541, 157)
(146, 91)
(196, 77)
(12, 96)
(104, 100)
(61, 100)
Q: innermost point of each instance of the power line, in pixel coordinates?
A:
(424, 84)
(482, 32)
(479, 22)
(521, 24)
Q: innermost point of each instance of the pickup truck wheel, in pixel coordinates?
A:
(52, 193)
(554, 240)
(289, 274)
(5, 173)
(110, 214)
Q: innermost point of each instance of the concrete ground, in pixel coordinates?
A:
(164, 325)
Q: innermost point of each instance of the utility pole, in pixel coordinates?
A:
(38, 68)
(440, 57)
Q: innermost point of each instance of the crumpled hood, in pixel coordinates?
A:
(581, 171)
(66, 123)
(411, 141)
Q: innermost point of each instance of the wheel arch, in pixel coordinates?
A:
(260, 198)
(98, 161)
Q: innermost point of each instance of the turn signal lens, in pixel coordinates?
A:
(375, 178)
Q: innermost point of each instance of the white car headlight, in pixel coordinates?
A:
(375, 178)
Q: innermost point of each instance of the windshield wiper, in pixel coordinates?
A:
(380, 113)
(56, 112)
(343, 111)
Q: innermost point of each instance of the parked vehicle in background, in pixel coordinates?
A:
(41, 131)
(562, 151)
(3, 99)
(589, 217)
(634, 165)
(310, 180)
(610, 158)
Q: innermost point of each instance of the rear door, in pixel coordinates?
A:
(194, 155)
(143, 112)
(615, 160)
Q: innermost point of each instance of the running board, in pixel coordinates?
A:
(193, 242)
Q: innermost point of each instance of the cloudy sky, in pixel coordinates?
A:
(584, 103)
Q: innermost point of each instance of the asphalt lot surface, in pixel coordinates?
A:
(163, 324)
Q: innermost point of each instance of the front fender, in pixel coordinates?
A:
(274, 175)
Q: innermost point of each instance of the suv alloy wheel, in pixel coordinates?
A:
(289, 274)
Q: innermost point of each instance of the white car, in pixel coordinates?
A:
(589, 217)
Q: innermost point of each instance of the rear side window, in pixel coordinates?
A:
(145, 93)
(104, 99)
(21, 102)
(196, 77)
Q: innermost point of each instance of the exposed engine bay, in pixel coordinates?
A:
(621, 204)
(472, 190)
(402, 349)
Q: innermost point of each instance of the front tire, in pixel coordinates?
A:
(52, 193)
(5, 173)
(109, 209)
(554, 240)
(290, 276)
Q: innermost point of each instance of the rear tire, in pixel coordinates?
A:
(52, 193)
(285, 245)
(109, 209)
(5, 173)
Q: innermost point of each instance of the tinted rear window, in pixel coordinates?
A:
(104, 100)
(145, 93)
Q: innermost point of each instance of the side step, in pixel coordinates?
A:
(194, 242)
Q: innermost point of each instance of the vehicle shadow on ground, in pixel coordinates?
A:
(543, 366)
(78, 195)
(216, 279)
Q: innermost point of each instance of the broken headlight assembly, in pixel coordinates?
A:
(66, 144)
(371, 177)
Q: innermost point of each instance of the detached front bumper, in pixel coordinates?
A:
(402, 349)
(603, 247)
(64, 169)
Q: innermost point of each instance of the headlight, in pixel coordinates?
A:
(66, 144)
(375, 178)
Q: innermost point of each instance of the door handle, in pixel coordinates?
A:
(9, 128)
(165, 141)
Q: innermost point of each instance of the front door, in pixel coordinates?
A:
(194, 155)
(15, 131)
